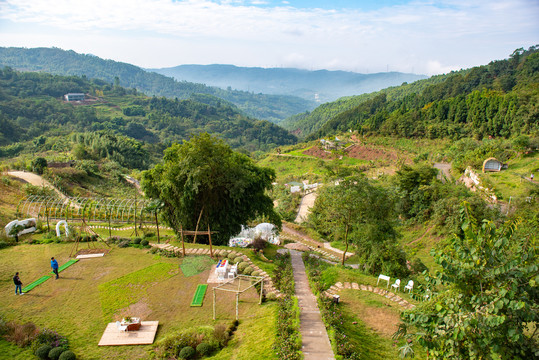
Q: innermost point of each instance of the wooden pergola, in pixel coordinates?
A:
(230, 286)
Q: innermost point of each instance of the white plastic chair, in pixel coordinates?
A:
(397, 284)
(121, 328)
(233, 271)
(409, 286)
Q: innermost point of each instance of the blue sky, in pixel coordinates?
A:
(420, 36)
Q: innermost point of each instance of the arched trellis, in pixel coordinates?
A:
(90, 209)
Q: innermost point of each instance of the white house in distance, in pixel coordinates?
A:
(74, 97)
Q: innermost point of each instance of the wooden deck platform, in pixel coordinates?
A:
(146, 335)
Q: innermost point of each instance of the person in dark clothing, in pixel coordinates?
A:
(18, 284)
(54, 266)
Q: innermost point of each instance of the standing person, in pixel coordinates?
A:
(54, 266)
(18, 284)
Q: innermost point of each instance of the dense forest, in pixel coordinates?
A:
(56, 61)
(450, 105)
(499, 100)
(32, 112)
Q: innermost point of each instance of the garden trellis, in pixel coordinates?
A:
(88, 209)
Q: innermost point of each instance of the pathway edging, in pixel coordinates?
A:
(334, 289)
(314, 337)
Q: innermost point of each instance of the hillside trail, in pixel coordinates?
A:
(445, 171)
(314, 337)
(38, 180)
(307, 202)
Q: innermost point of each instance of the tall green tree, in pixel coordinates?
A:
(357, 212)
(203, 175)
(487, 302)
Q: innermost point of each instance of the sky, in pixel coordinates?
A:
(418, 36)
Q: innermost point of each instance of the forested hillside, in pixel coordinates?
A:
(321, 85)
(498, 99)
(33, 115)
(57, 61)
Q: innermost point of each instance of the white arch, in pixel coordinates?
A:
(66, 228)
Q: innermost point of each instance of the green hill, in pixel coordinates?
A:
(498, 99)
(57, 61)
(116, 122)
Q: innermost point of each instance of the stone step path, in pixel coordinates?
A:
(315, 340)
(268, 282)
(334, 289)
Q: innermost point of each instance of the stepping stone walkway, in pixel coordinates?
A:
(268, 282)
(315, 340)
(334, 289)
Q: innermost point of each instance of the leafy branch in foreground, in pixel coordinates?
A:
(488, 308)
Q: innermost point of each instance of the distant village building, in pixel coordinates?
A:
(492, 164)
(74, 97)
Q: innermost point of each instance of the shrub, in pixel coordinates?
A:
(144, 242)
(49, 337)
(255, 273)
(67, 355)
(136, 241)
(418, 267)
(238, 259)
(123, 244)
(55, 353)
(259, 244)
(204, 349)
(22, 335)
(187, 352)
(3, 244)
(43, 352)
(231, 256)
(221, 334)
(149, 235)
(248, 270)
(242, 266)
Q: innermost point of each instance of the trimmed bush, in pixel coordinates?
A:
(187, 352)
(255, 273)
(144, 242)
(136, 241)
(55, 353)
(149, 235)
(43, 352)
(123, 244)
(231, 256)
(67, 355)
(204, 349)
(242, 266)
(248, 270)
(238, 259)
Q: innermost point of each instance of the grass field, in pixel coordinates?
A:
(125, 282)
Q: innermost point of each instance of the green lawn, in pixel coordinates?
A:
(127, 281)
(376, 319)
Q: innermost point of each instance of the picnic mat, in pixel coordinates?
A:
(194, 265)
(35, 283)
(66, 265)
(198, 298)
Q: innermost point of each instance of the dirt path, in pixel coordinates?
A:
(314, 337)
(445, 170)
(307, 202)
(317, 246)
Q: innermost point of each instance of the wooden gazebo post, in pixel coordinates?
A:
(183, 244)
(209, 236)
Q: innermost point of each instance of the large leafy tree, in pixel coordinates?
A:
(355, 211)
(487, 301)
(204, 176)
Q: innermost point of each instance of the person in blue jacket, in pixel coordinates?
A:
(18, 284)
(54, 266)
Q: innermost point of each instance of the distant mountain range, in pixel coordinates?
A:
(320, 86)
(61, 62)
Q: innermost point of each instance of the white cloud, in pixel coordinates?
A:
(155, 33)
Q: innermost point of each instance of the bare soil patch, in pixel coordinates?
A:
(365, 152)
(320, 153)
(380, 320)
